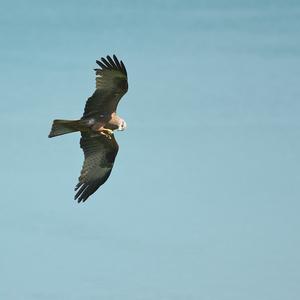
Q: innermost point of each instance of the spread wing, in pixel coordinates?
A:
(99, 156)
(111, 85)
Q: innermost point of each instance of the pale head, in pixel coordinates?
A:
(122, 125)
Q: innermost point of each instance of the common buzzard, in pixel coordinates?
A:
(97, 124)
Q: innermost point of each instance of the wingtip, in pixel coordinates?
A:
(77, 199)
(80, 199)
(123, 67)
(77, 186)
(111, 62)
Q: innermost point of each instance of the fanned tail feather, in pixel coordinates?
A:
(60, 127)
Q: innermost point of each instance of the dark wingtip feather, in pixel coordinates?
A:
(117, 62)
(77, 186)
(113, 63)
(105, 62)
(123, 68)
(85, 190)
(99, 63)
(81, 192)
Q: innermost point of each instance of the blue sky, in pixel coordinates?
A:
(203, 201)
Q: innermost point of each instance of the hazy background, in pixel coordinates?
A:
(203, 201)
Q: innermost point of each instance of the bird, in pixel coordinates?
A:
(97, 126)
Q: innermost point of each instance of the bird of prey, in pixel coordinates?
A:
(97, 125)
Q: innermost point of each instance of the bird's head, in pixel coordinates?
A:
(122, 125)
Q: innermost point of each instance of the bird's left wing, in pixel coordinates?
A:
(111, 85)
(99, 156)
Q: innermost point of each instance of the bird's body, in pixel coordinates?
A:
(97, 124)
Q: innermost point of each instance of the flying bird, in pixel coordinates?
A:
(97, 126)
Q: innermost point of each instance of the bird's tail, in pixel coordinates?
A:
(60, 127)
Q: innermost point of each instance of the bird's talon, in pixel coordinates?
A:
(107, 135)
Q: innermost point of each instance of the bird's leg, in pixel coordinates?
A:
(106, 132)
(100, 129)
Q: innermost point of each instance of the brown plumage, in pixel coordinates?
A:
(97, 124)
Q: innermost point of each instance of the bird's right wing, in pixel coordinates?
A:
(99, 156)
